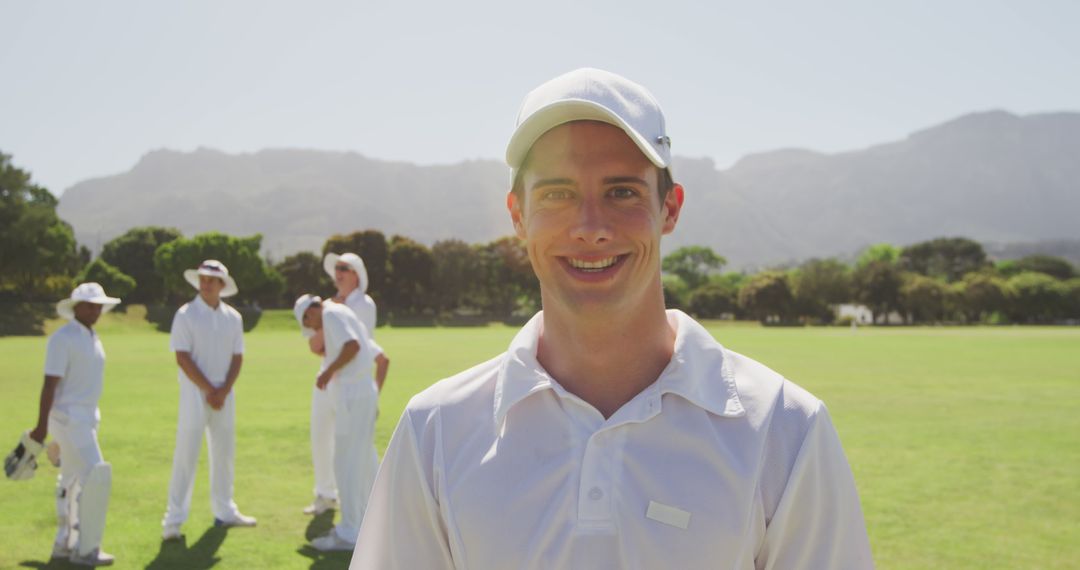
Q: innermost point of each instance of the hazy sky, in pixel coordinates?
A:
(86, 88)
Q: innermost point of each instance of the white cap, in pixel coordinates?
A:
(213, 268)
(591, 95)
(301, 305)
(352, 260)
(86, 293)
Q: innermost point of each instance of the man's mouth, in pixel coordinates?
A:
(593, 266)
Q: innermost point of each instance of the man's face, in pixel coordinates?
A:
(313, 317)
(211, 287)
(592, 219)
(87, 313)
(345, 278)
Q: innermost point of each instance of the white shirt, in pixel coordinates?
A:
(212, 336)
(364, 307)
(720, 463)
(75, 354)
(340, 326)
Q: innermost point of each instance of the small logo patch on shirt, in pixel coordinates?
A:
(668, 515)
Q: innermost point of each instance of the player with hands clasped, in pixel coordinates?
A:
(208, 339)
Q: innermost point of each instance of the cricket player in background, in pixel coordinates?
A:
(346, 378)
(208, 339)
(351, 280)
(74, 378)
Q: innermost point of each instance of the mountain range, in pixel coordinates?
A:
(993, 176)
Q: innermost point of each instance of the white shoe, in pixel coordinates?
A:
(237, 519)
(94, 558)
(332, 542)
(320, 505)
(171, 532)
(60, 551)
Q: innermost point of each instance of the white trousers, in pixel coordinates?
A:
(79, 453)
(196, 417)
(355, 458)
(322, 442)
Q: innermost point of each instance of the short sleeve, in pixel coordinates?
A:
(339, 330)
(180, 338)
(238, 335)
(57, 356)
(402, 528)
(818, 522)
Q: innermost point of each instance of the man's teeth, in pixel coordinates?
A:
(598, 265)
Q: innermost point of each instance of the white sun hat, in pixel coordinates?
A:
(301, 305)
(213, 268)
(591, 95)
(86, 293)
(353, 260)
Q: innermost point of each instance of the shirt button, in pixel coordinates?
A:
(596, 494)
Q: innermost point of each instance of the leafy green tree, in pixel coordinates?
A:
(817, 285)
(38, 253)
(410, 279)
(372, 247)
(1072, 298)
(943, 258)
(115, 282)
(1056, 267)
(676, 293)
(876, 284)
(923, 298)
(883, 252)
(1037, 298)
(132, 253)
(303, 273)
(456, 275)
(508, 282)
(257, 281)
(767, 296)
(981, 294)
(693, 264)
(713, 300)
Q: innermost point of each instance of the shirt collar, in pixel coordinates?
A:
(199, 302)
(698, 371)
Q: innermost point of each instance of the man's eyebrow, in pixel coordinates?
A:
(552, 182)
(625, 180)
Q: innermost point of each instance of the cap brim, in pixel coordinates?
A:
(565, 111)
(230, 289)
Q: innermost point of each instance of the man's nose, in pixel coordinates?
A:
(592, 224)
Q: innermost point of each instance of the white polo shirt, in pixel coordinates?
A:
(75, 354)
(720, 463)
(212, 336)
(340, 325)
(364, 307)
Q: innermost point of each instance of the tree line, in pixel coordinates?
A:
(453, 282)
(943, 280)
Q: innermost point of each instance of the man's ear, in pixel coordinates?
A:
(513, 204)
(673, 203)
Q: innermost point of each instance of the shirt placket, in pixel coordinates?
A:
(598, 475)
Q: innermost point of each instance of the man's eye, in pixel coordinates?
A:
(556, 195)
(623, 192)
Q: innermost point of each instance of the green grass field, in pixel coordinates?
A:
(965, 442)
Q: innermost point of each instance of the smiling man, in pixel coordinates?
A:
(612, 433)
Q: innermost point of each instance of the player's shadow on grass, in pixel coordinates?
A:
(202, 554)
(320, 525)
